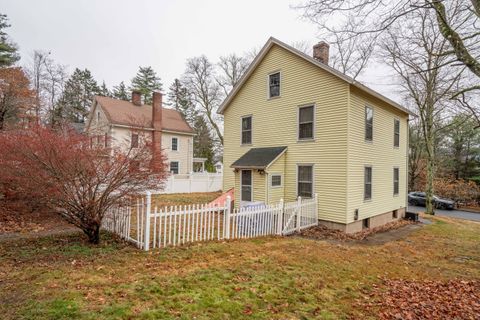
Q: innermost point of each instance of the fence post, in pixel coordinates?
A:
(316, 207)
(146, 241)
(228, 208)
(280, 217)
(299, 212)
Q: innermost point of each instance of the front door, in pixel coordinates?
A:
(246, 185)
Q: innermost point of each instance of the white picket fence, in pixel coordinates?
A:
(153, 227)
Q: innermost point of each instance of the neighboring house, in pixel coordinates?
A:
(123, 123)
(296, 127)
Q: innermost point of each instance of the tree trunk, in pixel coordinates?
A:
(93, 234)
(429, 187)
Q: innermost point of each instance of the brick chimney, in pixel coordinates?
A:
(136, 98)
(157, 126)
(320, 52)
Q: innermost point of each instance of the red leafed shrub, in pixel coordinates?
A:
(59, 170)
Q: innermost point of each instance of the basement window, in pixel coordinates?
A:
(394, 214)
(366, 223)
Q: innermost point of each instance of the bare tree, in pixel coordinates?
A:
(456, 20)
(416, 155)
(200, 80)
(231, 68)
(412, 48)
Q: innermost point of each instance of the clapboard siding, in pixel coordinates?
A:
(275, 124)
(274, 194)
(380, 154)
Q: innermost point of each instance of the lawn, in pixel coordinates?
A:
(270, 278)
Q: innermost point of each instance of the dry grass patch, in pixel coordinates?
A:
(267, 278)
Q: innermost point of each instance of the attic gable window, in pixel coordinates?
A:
(274, 85)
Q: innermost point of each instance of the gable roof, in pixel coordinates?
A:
(121, 112)
(258, 158)
(273, 41)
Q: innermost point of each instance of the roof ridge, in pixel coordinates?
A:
(272, 40)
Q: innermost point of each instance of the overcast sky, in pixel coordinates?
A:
(113, 37)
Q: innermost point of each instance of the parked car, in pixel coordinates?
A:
(419, 199)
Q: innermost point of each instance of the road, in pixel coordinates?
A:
(450, 213)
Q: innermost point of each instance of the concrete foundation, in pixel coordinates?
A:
(373, 222)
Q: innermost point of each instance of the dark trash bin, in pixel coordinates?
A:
(411, 216)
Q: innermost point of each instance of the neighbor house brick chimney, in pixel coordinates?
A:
(320, 52)
(136, 98)
(157, 127)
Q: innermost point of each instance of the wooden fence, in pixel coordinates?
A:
(155, 227)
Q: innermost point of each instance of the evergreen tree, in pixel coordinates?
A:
(120, 92)
(179, 98)
(146, 81)
(203, 143)
(8, 50)
(104, 90)
(78, 95)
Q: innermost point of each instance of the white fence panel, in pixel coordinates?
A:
(194, 182)
(153, 227)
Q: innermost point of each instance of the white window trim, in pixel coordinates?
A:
(251, 185)
(178, 144)
(241, 130)
(314, 122)
(170, 167)
(399, 131)
(313, 177)
(365, 123)
(393, 180)
(268, 85)
(281, 180)
(371, 183)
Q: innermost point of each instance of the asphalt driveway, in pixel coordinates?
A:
(450, 213)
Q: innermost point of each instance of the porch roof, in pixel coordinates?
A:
(258, 158)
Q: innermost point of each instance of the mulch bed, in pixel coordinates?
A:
(324, 233)
(409, 300)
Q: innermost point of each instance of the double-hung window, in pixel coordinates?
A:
(134, 141)
(274, 85)
(396, 133)
(305, 122)
(367, 188)
(174, 144)
(247, 130)
(396, 175)
(174, 167)
(368, 123)
(305, 181)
